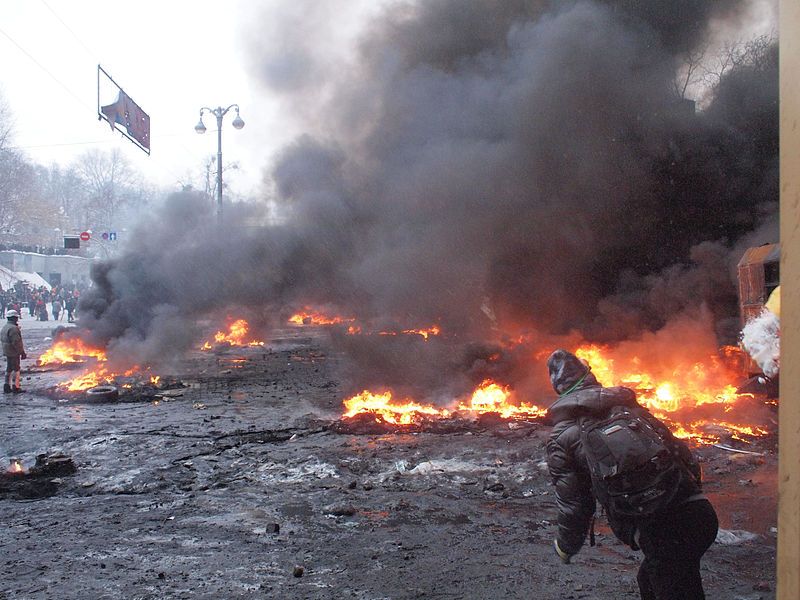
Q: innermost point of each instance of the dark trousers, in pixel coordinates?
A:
(672, 546)
(12, 365)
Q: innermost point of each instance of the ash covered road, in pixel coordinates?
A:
(234, 486)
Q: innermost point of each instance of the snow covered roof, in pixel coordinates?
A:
(33, 279)
(8, 278)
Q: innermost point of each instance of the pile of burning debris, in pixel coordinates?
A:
(368, 413)
(40, 481)
(372, 423)
(705, 431)
(96, 382)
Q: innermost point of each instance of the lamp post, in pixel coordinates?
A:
(237, 123)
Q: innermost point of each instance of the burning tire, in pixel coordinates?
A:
(103, 393)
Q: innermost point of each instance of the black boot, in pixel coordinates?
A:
(17, 390)
(6, 388)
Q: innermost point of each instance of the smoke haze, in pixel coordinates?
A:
(488, 167)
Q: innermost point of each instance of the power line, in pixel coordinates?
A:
(104, 141)
(57, 145)
(82, 143)
(43, 68)
(67, 27)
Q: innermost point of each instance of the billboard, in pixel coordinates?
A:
(123, 112)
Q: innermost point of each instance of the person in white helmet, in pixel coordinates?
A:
(14, 351)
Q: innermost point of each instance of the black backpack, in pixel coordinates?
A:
(635, 470)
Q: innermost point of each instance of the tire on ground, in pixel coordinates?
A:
(103, 392)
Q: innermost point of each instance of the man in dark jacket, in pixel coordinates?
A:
(11, 338)
(672, 541)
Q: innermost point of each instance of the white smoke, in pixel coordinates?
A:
(761, 340)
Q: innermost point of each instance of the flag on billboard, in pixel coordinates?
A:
(127, 113)
(123, 112)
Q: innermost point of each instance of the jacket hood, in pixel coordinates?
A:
(568, 372)
(579, 392)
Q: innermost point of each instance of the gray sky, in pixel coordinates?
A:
(171, 57)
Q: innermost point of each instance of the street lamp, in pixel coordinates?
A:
(237, 123)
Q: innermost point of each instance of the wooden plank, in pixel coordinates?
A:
(789, 410)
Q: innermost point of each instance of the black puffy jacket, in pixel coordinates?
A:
(583, 396)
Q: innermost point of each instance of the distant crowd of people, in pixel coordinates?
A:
(60, 302)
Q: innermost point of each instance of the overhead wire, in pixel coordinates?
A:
(43, 68)
(68, 28)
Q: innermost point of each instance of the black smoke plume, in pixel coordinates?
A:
(487, 167)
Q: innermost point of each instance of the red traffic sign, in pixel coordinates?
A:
(85, 236)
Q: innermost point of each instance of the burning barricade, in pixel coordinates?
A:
(681, 381)
(696, 398)
(236, 335)
(378, 413)
(98, 382)
(310, 316)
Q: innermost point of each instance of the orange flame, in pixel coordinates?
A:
(493, 398)
(73, 351)
(237, 332)
(356, 330)
(423, 332)
(489, 397)
(90, 379)
(16, 467)
(397, 413)
(676, 385)
(307, 316)
(671, 388)
(86, 381)
(70, 351)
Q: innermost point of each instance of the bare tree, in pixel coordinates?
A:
(691, 72)
(701, 70)
(26, 215)
(109, 185)
(205, 178)
(754, 53)
(17, 192)
(100, 191)
(63, 188)
(211, 176)
(6, 124)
